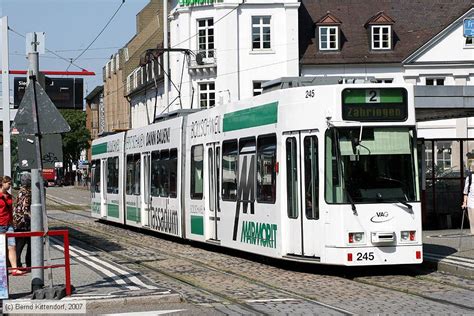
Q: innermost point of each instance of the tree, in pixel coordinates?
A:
(77, 139)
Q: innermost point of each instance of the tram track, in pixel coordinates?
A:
(202, 263)
(175, 277)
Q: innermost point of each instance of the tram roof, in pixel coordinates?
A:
(431, 102)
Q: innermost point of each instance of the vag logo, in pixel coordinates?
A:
(381, 217)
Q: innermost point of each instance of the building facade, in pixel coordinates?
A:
(116, 106)
(226, 50)
(95, 122)
(419, 42)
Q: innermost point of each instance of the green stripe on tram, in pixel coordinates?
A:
(99, 149)
(133, 213)
(358, 96)
(197, 225)
(256, 116)
(113, 210)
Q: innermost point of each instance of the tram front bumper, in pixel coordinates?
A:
(368, 256)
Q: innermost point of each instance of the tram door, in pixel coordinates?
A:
(302, 188)
(146, 193)
(103, 187)
(213, 189)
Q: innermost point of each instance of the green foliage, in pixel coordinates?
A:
(78, 138)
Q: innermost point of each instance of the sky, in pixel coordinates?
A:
(70, 26)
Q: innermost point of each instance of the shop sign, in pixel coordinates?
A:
(188, 3)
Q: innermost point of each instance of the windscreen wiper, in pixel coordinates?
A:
(354, 210)
(410, 207)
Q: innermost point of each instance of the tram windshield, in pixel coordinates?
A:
(371, 165)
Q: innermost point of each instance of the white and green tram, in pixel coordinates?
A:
(325, 174)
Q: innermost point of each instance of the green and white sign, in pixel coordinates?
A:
(188, 3)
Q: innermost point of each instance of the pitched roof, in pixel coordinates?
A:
(94, 93)
(328, 19)
(413, 22)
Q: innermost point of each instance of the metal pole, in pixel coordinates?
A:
(166, 54)
(37, 185)
(462, 225)
(6, 99)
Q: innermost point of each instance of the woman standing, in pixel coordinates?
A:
(22, 219)
(6, 221)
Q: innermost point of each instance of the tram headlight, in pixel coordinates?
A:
(356, 238)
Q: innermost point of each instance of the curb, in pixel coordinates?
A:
(459, 266)
(131, 300)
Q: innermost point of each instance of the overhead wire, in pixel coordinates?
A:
(100, 33)
(48, 50)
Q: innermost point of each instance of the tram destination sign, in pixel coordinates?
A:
(375, 105)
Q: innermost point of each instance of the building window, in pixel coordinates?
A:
(328, 38)
(206, 37)
(435, 81)
(125, 54)
(470, 41)
(443, 155)
(381, 37)
(117, 61)
(261, 32)
(257, 88)
(207, 95)
(383, 80)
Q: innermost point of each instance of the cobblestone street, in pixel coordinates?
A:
(211, 280)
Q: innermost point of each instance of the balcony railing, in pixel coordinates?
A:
(203, 58)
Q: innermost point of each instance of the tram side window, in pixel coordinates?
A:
(197, 163)
(229, 170)
(155, 161)
(266, 175)
(130, 169)
(163, 173)
(112, 175)
(311, 177)
(173, 166)
(292, 177)
(95, 186)
(136, 159)
(133, 174)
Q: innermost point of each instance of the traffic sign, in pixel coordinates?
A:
(51, 150)
(49, 118)
(468, 27)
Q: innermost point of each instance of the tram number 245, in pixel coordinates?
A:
(365, 256)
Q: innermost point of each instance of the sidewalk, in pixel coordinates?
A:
(450, 251)
(99, 282)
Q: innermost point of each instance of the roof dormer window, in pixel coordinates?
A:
(328, 38)
(381, 37)
(380, 27)
(328, 33)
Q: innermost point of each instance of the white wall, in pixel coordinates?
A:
(237, 65)
(451, 47)
(142, 103)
